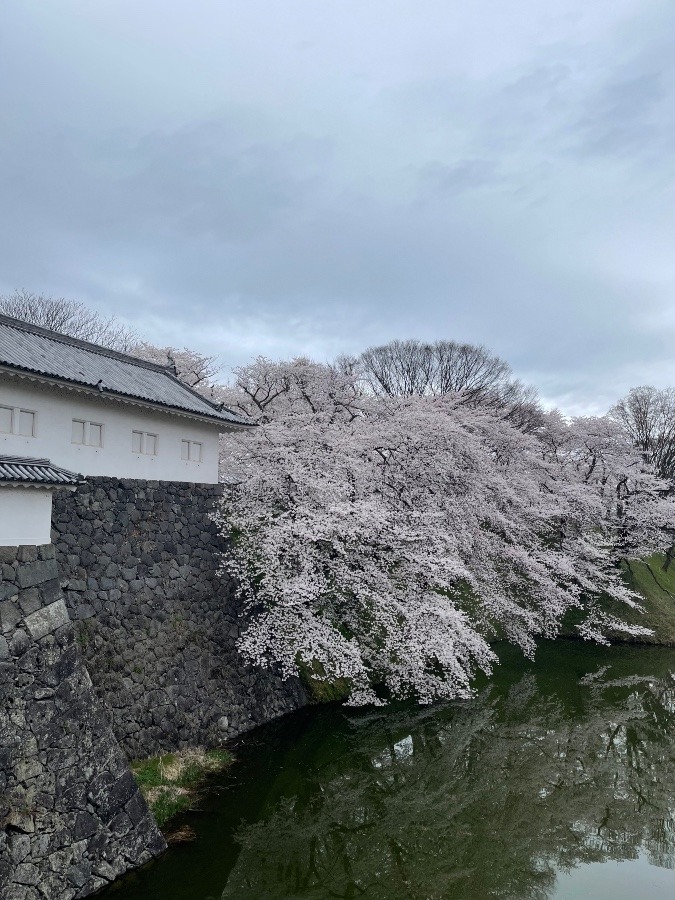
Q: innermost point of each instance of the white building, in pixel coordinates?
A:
(99, 412)
(26, 487)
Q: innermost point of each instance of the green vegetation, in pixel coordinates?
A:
(319, 689)
(83, 634)
(657, 585)
(170, 783)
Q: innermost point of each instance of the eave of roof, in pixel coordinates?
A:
(124, 372)
(64, 384)
(27, 470)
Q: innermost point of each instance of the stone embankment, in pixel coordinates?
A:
(117, 641)
(156, 623)
(71, 816)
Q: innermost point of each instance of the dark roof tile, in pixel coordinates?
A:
(32, 349)
(26, 470)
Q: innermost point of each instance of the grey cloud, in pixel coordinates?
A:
(464, 175)
(206, 179)
(626, 115)
(321, 183)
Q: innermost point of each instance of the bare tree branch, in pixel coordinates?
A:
(69, 317)
(648, 416)
(413, 368)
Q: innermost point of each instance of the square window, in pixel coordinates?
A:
(195, 451)
(6, 419)
(151, 444)
(95, 435)
(185, 450)
(136, 441)
(77, 436)
(27, 423)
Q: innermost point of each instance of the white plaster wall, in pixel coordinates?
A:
(56, 408)
(25, 516)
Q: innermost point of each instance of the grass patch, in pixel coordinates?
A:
(170, 783)
(650, 578)
(657, 586)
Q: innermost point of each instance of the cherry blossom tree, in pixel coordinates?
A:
(389, 540)
(647, 414)
(190, 366)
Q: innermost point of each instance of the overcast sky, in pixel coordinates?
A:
(314, 176)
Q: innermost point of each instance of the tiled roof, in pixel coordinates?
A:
(29, 348)
(26, 470)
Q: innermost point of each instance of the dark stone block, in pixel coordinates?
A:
(19, 643)
(37, 572)
(8, 589)
(85, 611)
(27, 553)
(50, 591)
(30, 600)
(85, 826)
(136, 808)
(76, 584)
(120, 825)
(79, 874)
(109, 795)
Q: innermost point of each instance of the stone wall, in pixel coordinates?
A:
(71, 816)
(156, 624)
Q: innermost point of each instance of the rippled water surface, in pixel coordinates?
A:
(556, 781)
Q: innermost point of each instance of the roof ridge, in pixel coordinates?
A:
(199, 404)
(29, 460)
(22, 325)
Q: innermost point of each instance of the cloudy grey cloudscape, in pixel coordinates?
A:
(304, 177)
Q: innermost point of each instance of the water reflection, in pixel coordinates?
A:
(557, 771)
(494, 798)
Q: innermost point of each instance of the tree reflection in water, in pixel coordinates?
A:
(542, 772)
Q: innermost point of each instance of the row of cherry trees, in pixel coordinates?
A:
(394, 513)
(388, 539)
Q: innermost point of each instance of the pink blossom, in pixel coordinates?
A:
(390, 540)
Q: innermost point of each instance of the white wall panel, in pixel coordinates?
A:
(25, 516)
(57, 407)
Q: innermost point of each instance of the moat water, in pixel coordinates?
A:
(556, 782)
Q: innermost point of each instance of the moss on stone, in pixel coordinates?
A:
(319, 688)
